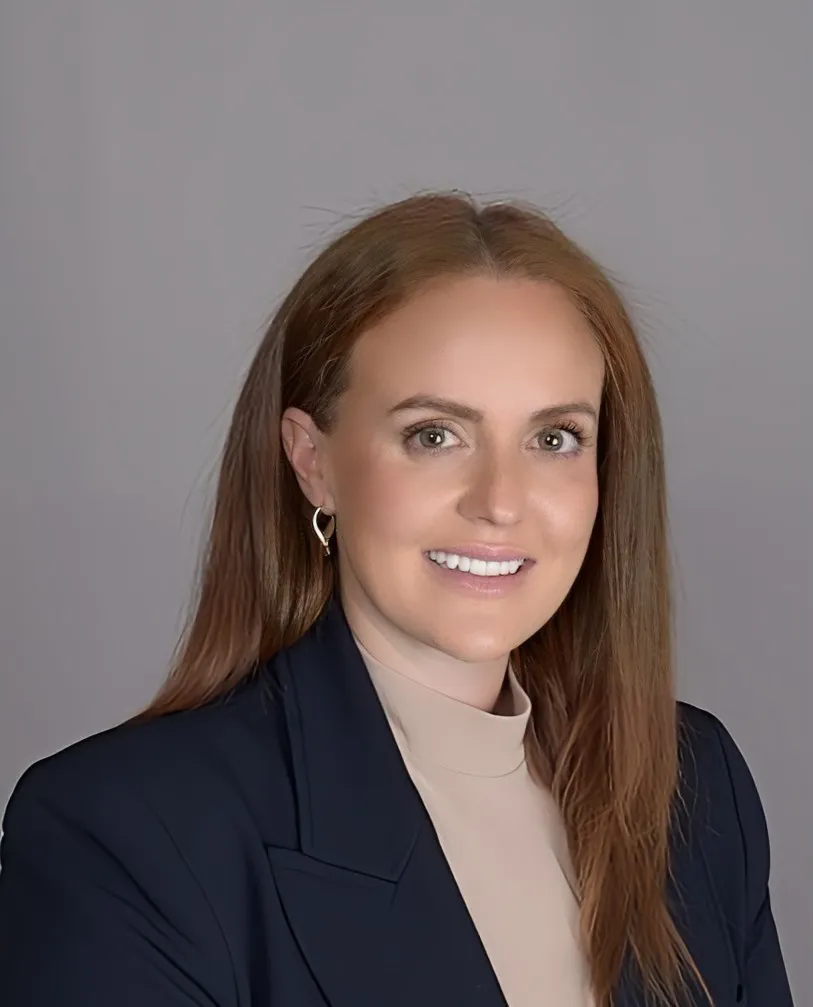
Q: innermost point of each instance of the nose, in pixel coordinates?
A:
(495, 489)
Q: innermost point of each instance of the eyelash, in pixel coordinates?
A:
(569, 426)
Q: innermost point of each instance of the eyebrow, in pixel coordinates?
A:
(464, 412)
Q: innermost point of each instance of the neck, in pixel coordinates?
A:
(478, 684)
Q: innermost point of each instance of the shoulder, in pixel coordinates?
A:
(722, 806)
(183, 773)
(127, 857)
(714, 766)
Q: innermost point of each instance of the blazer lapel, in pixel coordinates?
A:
(369, 894)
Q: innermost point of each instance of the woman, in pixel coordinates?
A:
(420, 745)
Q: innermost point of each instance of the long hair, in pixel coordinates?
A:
(603, 733)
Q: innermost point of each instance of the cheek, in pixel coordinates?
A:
(570, 508)
(379, 501)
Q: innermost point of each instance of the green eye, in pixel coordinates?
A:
(563, 440)
(430, 438)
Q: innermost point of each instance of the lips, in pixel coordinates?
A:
(483, 583)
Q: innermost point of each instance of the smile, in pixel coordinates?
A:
(476, 567)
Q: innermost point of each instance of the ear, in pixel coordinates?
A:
(306, 449)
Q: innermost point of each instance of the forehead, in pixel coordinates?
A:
(481, 338)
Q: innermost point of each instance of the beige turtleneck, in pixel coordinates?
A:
(500, 832)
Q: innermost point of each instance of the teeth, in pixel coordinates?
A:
(479, 567)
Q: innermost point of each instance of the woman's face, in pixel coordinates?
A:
(468, 428)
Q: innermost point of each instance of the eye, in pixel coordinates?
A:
(430, 438)
(563, 440)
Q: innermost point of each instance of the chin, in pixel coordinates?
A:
(473, 647)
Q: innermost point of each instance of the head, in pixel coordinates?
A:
(468, 426)
(452, 378)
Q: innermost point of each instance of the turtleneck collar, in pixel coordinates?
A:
(446, 732)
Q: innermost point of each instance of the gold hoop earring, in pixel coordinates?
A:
(324, 536)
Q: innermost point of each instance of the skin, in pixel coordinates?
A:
(508, 348)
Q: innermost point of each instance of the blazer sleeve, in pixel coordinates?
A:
(97, 906)
(766, 981)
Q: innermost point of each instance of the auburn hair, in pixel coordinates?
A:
(604, 731)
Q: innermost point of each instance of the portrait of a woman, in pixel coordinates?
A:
(420, 744)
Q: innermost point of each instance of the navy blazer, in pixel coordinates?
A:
(270, 850)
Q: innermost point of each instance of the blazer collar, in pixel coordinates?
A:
(357, 806)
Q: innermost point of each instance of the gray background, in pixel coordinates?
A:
(167, 166)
